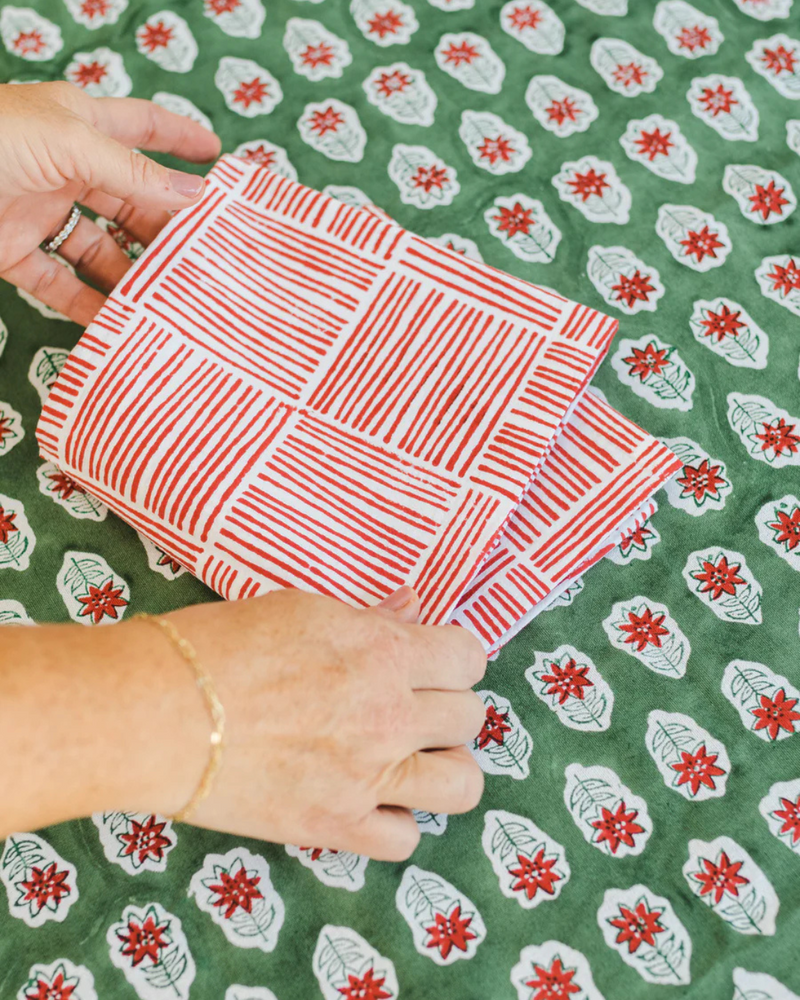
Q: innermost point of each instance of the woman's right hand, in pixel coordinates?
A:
(339, 721)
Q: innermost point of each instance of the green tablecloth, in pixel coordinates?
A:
(641, 821)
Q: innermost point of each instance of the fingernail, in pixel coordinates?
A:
(399, 599)
(188, 185)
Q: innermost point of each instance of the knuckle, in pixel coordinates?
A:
(473, 780)
(477, 714)
(90, 253)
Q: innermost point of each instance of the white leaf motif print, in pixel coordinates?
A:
(687, 31)
(58, 979)
(560, 107)
(530, 866)
(763, 196)
(237, 18)
(723, 103)
(11, 429)
(726, 328)
(17, 540)
(571, 686)
(765, 10)
(167, 39)
(623, 279)
(69, 494)
(29, 35)
(702, 484)
(384, 22)
(333, 129)
(493, 144)
(100, 73)
(544, 964)
(655, 371)
(402, 93)
(607, 813)
(524, 226)
(535, 24)
(445, 923)
(423, 179)
(645, 630)
(777, 59)
(658, 144)
(471, 60)
(690, 760)
(769, 433)
(169, 967)
(766, 702)
(778, 525)
(722, 580)
(504, 745)
(624, 69)
(137, 842)
(759, 986)
(248, 89)
(694, 238)
(96, 15)
(315, 52)
(92, 592)
(595, 189)
(780, 807)
(345, 962)
(337, 869)
(40, 885)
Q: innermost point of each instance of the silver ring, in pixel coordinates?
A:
(52, 245)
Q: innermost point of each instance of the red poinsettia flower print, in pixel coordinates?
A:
(645, 629)
(29, 43)
(6, 430)
(722, 324)
(145, 940)
(102, 602)
(428, 178)
(585, 185)
(524, 17)
(786, 279)
(779, 438)
(451, 931)
(95, 8)
(779, 60)
(514, 220)
(495, 727)
(629, 73)
(615, 828)
(637, 926)
(250, 92)
(653, 144)
(392, 83)
(693, 38)
(326, 120)
(458, 54)
(237, 892)
(701, 244)
(768, 200)
(533, 874)
(166, 560)
(259, 155)
(317, 55)
(317, 852)
(717, 100)
(55, 990)
(554, 983)
(787, 529)
(88, 73)
(636, 539)
(497, 148)
(721, 877)
(561, 111)
(7, 526)
(222, 6)
(383, 24)
(698, 768)
(720, 578)
(155, 36)
(365, 987)
(790, 814)
(701, 481)
(633, 288)
(649, 361)
(64, 485)
(568, 681)
(44, 885)
(145, 840)
(775, 714)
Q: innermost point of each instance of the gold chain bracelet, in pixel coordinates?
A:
(215, 711)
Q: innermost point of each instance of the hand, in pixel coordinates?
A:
(339, 721)
(59, 146)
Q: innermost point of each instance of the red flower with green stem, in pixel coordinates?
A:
(533, 874)
(720, 878)
(514, 220)
(768, 200)
(649, 361)
(450, 931)
(698, 768)
(145, 840)
(7, 526)
(561, 111)
(790, 814)
(588, 184)
(787, 529)
(554, 983)
(722, 324)
(365, 987)
(44, 885)
(615, 828)
(568, 681)
(776, 714)
(495, 727)
(779, 438)
(644, 630)
(701, 481)
(719, 578)
(701, 244)
(786, 279)
(633, 289)
(653, 144)
(385, 24)
(637, 926)
(146, 940)
(57, 989)
(717, 100)
(102, 602)
(236, 892)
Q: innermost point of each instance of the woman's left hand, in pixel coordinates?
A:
(60, 147)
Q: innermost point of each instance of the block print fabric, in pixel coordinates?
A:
(639, 835)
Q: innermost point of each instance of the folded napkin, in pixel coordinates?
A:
(286, 391)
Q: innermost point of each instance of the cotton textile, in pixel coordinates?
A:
(706, 359)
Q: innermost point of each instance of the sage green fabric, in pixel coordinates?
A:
(681, 392)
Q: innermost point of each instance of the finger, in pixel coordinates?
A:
(51, 283)
(446, 718)
(403, 605)
(142, 225)
(445, 657)
(135, 122)
(95, 254)
(447, 781)
(386, 834)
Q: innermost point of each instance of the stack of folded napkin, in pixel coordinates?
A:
(286, 391)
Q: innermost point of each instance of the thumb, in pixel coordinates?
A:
(403, 605)
(106, 165)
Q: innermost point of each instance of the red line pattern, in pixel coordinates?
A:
(286, 391)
